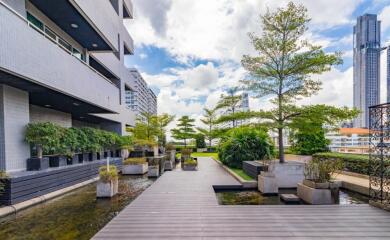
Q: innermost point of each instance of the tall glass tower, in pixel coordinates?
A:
(366, 65)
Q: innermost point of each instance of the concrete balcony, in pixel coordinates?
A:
(127, 9)
(33, 62)
(128, 42)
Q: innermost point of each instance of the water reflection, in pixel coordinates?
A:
(76, 215)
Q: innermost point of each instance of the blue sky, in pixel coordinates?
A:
(190, 51)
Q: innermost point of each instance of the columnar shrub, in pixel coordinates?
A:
(245, 144)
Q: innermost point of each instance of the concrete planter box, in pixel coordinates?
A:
(37, 164)
(287, 174)
(314, 196)
(169, 165)
(57, 161)
(267, 183)
(125, 153)
(153, 171)
(316, 185)
(106, 189)
(187, 167)
(138, 169)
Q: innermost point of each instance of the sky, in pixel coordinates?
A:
(189, 51)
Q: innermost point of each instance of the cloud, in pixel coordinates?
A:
(143, 55)
(384, 18)
(200, 77)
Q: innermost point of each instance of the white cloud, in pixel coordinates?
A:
(200, 77)
(384, 17)
(143, 55)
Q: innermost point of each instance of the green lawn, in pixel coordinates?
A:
(239, 172)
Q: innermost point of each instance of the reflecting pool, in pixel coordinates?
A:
(76, 215)
(254, 197)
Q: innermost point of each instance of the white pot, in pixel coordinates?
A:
(314, 196)
(107, 189)
(267, 184)
(138, 169)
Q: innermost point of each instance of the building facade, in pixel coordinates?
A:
(366, 66)
(349, 140)
(62, 62)
(140, 98)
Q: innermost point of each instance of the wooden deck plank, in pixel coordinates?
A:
(183, 205)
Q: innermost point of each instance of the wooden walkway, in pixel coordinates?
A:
(183, 205)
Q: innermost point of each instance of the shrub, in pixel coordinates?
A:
(352, 162)
(190, 162)
(244, 144)
(199, 140)
(134, 161)
(308, 143)
(322, 170)
(107, 176)
(170, 147)
(3, 176)
(45, 136)
(186, 151)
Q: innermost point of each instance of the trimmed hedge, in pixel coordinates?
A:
(352, 162)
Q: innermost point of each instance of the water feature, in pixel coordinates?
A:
(253, 197)
(76, 215)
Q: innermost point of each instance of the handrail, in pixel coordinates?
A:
(52, 40)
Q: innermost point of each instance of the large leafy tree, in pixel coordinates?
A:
(146, 130)
(285, 65)
(184, 130)
(209, 119)
(162, 122)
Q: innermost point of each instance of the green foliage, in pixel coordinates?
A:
(209, 119)
(229, 103)
(45, 136)
(146, 130)
(170, 147)
(308, 143)
(200, 140)
(125, 142)
(286, 64)
(162, 122)
(107, 176)
(190, 162)
(3, 176)
(352, 162)
(321, 171)
(244, 144)
(186, 151)
(184, 130)
(134, 161)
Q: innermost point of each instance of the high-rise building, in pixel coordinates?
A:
(140, 98)
(366, 66)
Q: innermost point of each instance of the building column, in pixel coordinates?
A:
(14, 116)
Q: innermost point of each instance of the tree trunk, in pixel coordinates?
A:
(185, 143)
(281, 149)
(39, 151)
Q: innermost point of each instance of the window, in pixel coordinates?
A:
(64, 44)
(50, 34)
(34, 21)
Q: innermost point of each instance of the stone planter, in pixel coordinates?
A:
(187, 167)
(313, 195)
(267, 183)
(106, 189)
(125, 153)
(153, 171)
(57, 161)
(287, 174)
(169, 165)
(76, 159)
(138, 169)
(37, 164)
(316, 185)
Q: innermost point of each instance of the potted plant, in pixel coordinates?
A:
(3, 181)
(107, 186)
(125, 144)
(41, 135)
(170, 157)
(315, 188)
(185, 154)
(153, 167)
(190, 165)
(93, 143)
(135, 166)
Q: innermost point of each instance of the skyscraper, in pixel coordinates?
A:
(366, 65)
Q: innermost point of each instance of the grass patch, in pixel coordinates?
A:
(241, 173)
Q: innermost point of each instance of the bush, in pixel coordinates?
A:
(186, 151)
(3, 177)
(321, 171)
(244, 144)
(308, 143)
(107, 176)
(352, 162)
(200, 142)
(190, 162)
(134, 161)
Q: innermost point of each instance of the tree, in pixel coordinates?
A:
(199, 140)
(185, 129)
(229, 103)
(285, 65)
(209, 119)
(307, 129)
(146, 129)
(162, 122)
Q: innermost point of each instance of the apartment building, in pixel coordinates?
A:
(349, 140)
(61, 61)
(140, 98)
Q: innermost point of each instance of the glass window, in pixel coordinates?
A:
(34, 21)
(50, 33)
(65, 44)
